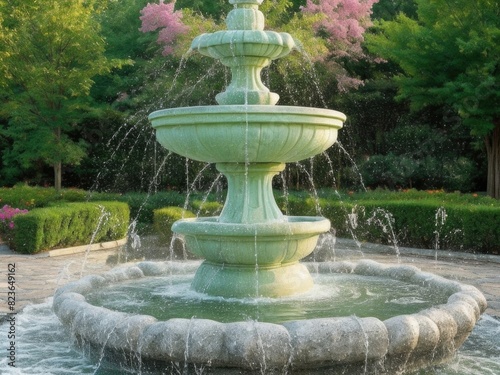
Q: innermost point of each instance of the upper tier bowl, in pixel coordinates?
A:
(227, 44)
(247, 133)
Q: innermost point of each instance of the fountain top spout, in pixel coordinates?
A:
(246, 48)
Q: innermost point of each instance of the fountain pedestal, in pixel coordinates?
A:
(250, 195)
(251, 249)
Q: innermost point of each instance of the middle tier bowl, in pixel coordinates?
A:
(247, 133)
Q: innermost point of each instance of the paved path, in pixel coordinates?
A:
(38, 276)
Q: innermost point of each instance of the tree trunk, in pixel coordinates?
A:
(57, 176)
(492, 142)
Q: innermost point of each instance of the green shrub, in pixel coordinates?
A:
(70, 224)
(441, 160)
(165, 217)
(142, 205)
(205, 208)
(426, 219)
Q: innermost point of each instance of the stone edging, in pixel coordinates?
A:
(406, 341)
(84, 248)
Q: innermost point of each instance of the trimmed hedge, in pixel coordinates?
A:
(413, 223)
(70, 224)
(29, 197)
(410, 217)
(206, 208)
(142, 205)
(163, 219)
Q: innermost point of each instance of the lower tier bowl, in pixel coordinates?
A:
(264, 244)
(256, 259)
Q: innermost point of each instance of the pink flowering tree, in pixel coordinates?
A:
(342, 24)
(164, 17)
(330, 32)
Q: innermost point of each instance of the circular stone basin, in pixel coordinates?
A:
(247, 133)
(276, 242)
(231, 43)
(347, 345)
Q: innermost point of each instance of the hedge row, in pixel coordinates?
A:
(423, 224)
(29, 197)
(165, 217)
(411, 218)
(70, 224)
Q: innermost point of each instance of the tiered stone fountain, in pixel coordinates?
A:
(252, 249)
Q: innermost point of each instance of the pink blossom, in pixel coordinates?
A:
(345, 22)
(163, 16)
(344, 82)
(6, 215)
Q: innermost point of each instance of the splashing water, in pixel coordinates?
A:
(385, 220)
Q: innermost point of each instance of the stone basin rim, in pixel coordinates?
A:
(385, 336)
(211, 113)
(291, 226)
(235, 37)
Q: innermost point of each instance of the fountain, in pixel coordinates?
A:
(252, 250)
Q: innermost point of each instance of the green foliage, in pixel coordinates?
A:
(449, 56)
(50, 51)
(436, 196)
(143, 205)
(214, 9)
(163, 218)
(205, 208)
(389, 9)
(70, 224)
(120, 25)
(438, 162)
(427, 219)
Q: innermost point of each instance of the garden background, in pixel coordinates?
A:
(418, 81)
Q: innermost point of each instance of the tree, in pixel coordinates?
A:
(343, 23)
(388, 9)
(163, 16)
(330, 31)
(49, 53)
(450, 56)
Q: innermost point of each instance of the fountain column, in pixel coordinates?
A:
(250, 195)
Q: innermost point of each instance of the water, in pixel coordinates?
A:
(333, 295)
(45, 348)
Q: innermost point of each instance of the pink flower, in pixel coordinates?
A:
(345, 22)
(163, 16)
(6, 215)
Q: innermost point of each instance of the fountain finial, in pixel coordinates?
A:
(246, 49)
